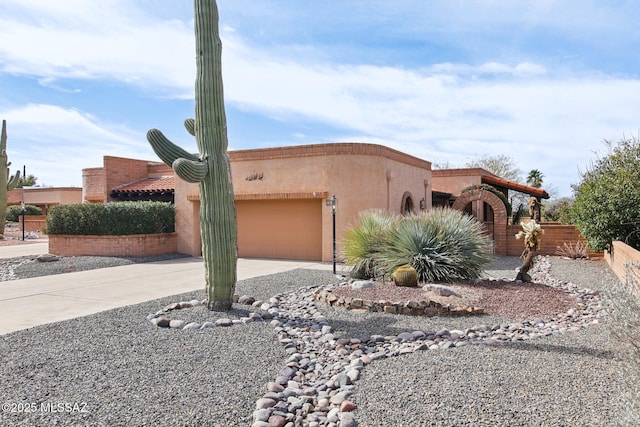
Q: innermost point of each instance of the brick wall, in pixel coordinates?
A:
(33, 222)
(500, 219)
(554, 235)
(119, 170)
(93, 185)
(620, 258)
(159, 169)
(139, 245)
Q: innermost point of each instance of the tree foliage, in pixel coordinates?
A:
(27, 181)
(535, 178)
(558, 210)
(500, 165)
(607, 204)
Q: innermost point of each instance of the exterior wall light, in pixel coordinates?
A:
(332, 203)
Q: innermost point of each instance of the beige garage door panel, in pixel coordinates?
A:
(284, 229)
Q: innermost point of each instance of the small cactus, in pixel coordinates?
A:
(405, 275)
(7, 182)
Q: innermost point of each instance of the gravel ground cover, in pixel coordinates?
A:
(119, 369)
(25, 267)
(562, 380)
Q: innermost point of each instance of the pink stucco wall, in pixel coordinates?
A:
(362, 176)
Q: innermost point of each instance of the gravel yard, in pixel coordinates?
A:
(119, 369)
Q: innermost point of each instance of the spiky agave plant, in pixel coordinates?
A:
(531, 233)
(443, 245)
(361, 243)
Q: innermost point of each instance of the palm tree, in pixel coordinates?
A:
(535, 178)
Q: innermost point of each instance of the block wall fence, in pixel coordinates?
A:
(554, 235)
(137, 245)
(621, 259)
(33, 222)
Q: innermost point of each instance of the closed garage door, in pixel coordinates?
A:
(284, 229)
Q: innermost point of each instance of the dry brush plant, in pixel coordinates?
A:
(573, 251)
(623, 304)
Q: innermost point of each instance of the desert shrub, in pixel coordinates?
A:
(441, 244)
(361, 244)
(607, 204)
(14, 211)
(573, 250)
(558, 210)
(622, 300)
(116, 218)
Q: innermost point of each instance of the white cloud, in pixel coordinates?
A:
(544, 117)
(98, 40)
(549, 123)
(55, 144)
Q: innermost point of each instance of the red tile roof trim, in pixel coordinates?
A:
(533, 191)
(150, 184)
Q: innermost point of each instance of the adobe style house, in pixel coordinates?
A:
(487, 207)
(44, 197)
(280, 194)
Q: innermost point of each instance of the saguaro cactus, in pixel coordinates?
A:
(210, 168)
(7, 182)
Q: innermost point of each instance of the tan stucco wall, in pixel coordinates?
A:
(45, 197)
(362, 176)
(624, 261)
(453, 181)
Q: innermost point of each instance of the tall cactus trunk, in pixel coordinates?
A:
(218, 224)
(6, 182)
(211, 168)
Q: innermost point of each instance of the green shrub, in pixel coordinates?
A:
(443, 245)
(114, 219)
(558, 211)
(361, 243)
(14, 211)
(607, 203)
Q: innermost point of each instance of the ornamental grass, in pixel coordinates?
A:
(443, 245)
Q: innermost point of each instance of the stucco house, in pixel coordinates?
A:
(44, 197)
(281, 195)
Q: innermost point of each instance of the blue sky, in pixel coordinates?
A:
(544, 82)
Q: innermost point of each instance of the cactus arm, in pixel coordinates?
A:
(167, 150)
(190, 170)
(210, 168)
(13, 182)
(190, 125)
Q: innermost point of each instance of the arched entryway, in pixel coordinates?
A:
(407, 207)
(489, 210)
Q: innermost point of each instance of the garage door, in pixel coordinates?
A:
(284, 229)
